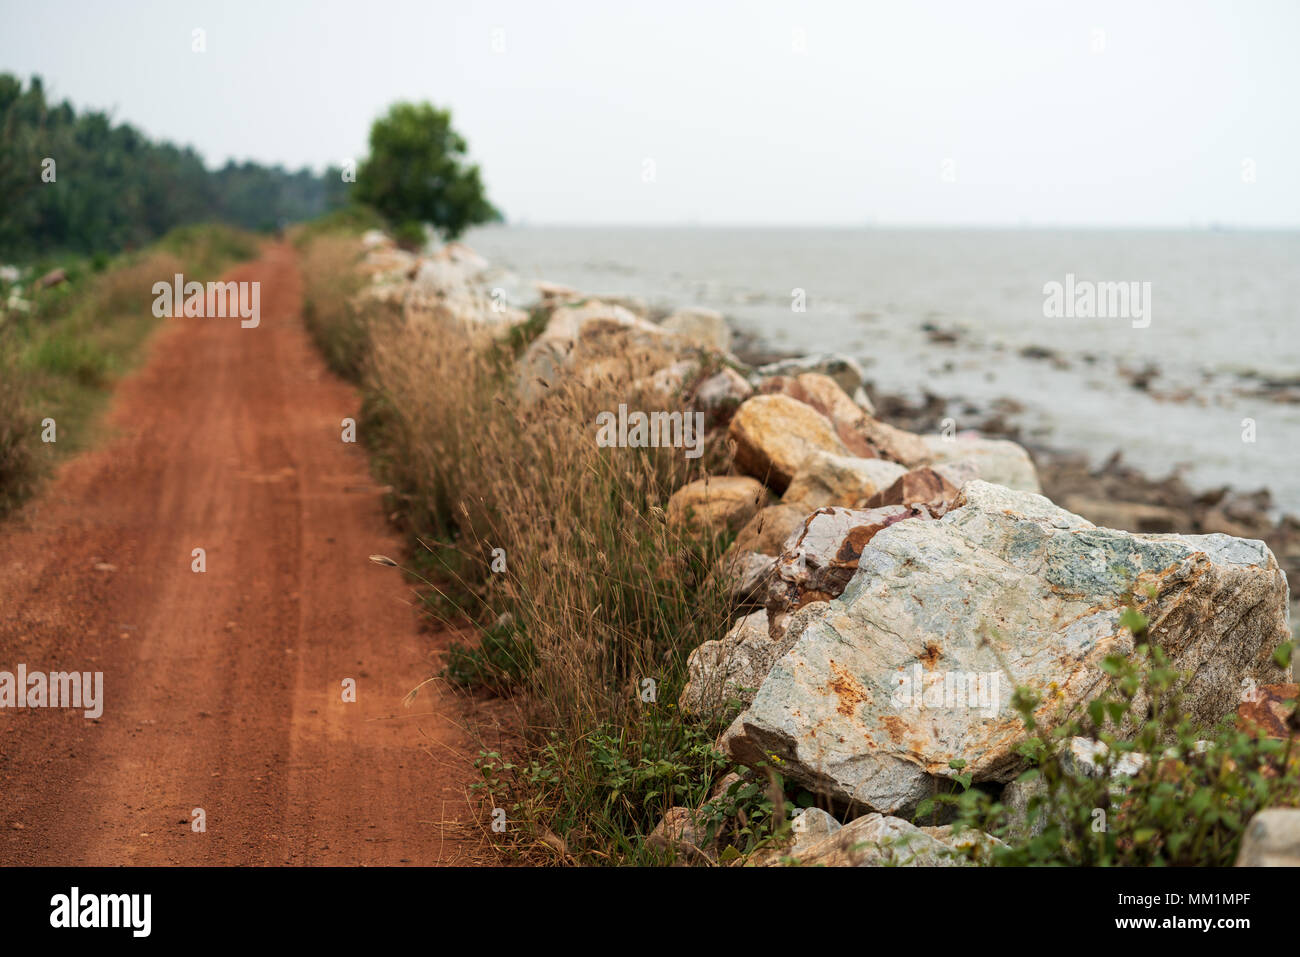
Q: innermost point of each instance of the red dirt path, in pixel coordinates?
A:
(223, 689)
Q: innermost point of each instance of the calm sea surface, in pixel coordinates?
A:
(1223, 335)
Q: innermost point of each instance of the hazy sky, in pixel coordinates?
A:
(1141, 113)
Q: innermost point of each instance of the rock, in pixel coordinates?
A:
(811, 825)
(767, 531)
(1086, 758)
(1130, 516)
(376, 239)
(52, 278)
(949, 836)
(682, 833)
(470, 262)
(718, 502)
(1269, 710)
(748, 575)
(1015, 798)
(633, 304)
(822, 556)
(567, 322)
(876, 696)
(876, 840)
(862, 434)
(705, 327)
(808, 828)
(1272, 839)
(824, 394)
(720, 395)
(864, 402)
(999, 461)
(442, 278)
(1216, 520)
(920, 487)
(900, 446)
(723, 785)
(959, 472)
(845, 370)
(730, 668)
(388, 264)
(775, 433)
(828, 479)
(785, 625)
(444, 290)
(591, 331)
(555, 291)
(671, 379)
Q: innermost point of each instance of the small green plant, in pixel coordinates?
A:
(1149, 788)
(595, 798)
(750, 813)
(498, 664)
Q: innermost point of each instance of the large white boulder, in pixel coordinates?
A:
(903, 673)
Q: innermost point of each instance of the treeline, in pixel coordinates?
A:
(78, 182)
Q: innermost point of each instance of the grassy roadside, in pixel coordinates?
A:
(587, 603)
(594, 603)
(62, 348)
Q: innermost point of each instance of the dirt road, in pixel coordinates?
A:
(223, 690)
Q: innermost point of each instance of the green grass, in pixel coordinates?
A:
(351, 220)
(60, 359)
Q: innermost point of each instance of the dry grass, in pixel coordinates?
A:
(597, 593)
(331, 281)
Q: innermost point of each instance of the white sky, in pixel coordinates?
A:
(1152, 130)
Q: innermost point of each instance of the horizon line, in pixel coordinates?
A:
(1207, 227)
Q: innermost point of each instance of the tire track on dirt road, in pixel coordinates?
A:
(222, 689)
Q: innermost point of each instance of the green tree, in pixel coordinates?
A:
(112, 187)
(417, 173)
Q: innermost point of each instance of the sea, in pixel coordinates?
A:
(1193, 365)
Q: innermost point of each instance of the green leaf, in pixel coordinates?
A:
(1134, 621)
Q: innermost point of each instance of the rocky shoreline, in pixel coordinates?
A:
(1116, 493)
(894, 580)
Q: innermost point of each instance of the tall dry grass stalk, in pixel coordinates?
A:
(340, 328)
(598, 594)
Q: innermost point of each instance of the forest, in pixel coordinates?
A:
(118, 189)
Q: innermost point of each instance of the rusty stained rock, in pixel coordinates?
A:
(1270, 710)
(1006, 571)
(923, 487)
(820, 558)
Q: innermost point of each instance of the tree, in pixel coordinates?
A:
(110, 186)
(416, 173)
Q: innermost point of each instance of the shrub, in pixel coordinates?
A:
(1188, 804)
(18, 429)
